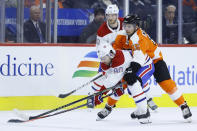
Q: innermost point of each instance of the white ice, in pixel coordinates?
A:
(85, 120)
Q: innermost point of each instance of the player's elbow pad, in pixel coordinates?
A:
(134, 66)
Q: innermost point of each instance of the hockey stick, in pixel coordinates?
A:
(73, 91)
(74, 108)
(43, 115)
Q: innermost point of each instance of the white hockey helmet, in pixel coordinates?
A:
(104, 49)
(112, 9)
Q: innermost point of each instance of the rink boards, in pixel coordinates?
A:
(32, 75)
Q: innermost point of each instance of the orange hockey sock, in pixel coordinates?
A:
(180, 100)
(111, 102)
(169, 87)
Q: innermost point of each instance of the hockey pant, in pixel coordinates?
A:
(144, 73)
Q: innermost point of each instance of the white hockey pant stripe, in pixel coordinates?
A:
(147, 91)
(139, 97)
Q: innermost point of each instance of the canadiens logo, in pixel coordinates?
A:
(118, 69)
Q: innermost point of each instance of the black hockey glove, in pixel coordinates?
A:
(134, 67)
(130, 76)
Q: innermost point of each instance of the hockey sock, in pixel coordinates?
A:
(169, 87)
(180, 101)
(111, 102)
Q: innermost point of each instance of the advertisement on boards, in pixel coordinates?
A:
(50, 70)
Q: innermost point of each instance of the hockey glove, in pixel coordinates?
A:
(134, 67)
(118, 91)
(130, 78)
(94, 101)
(101, 88)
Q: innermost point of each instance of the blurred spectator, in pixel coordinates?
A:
(170, 14)
(190, 32)
(88, 35)
(193, 36)
(141, 8)
(34, 29)
(189, 11)
(29, 3)
(145, 11)
(190, 3)
(60, 3)
(104, 3)
(170, 27)
(87, 4)
(11, 3)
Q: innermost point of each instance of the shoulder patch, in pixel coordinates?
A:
(118, 59)
(103, 30)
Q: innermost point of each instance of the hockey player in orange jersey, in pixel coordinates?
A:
(134, 38)
(108, 32)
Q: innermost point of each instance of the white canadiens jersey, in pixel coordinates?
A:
(105, 33)
(115, 72)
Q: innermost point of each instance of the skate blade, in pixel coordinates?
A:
(145, 121)
(188, 120)
(98, 119)
(154, 109)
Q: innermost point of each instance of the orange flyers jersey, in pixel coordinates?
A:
(138, 41)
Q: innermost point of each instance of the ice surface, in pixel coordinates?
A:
(85, 120)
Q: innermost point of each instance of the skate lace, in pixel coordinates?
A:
(185, 111)
(105, 112)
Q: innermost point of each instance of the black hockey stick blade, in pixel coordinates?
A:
(99, 75)
(67, 94)
(15, 121)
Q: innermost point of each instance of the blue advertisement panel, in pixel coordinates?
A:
(70, 21)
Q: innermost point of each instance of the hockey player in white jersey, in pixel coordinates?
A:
(114, 63)
(108, 32)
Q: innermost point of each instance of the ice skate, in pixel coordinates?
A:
(186, 112)
(133, 115)
(144, 118)
(104, 113)
(152, 105)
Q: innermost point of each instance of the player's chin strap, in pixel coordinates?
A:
(47, 114)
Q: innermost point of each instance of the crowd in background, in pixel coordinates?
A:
(146, 9)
